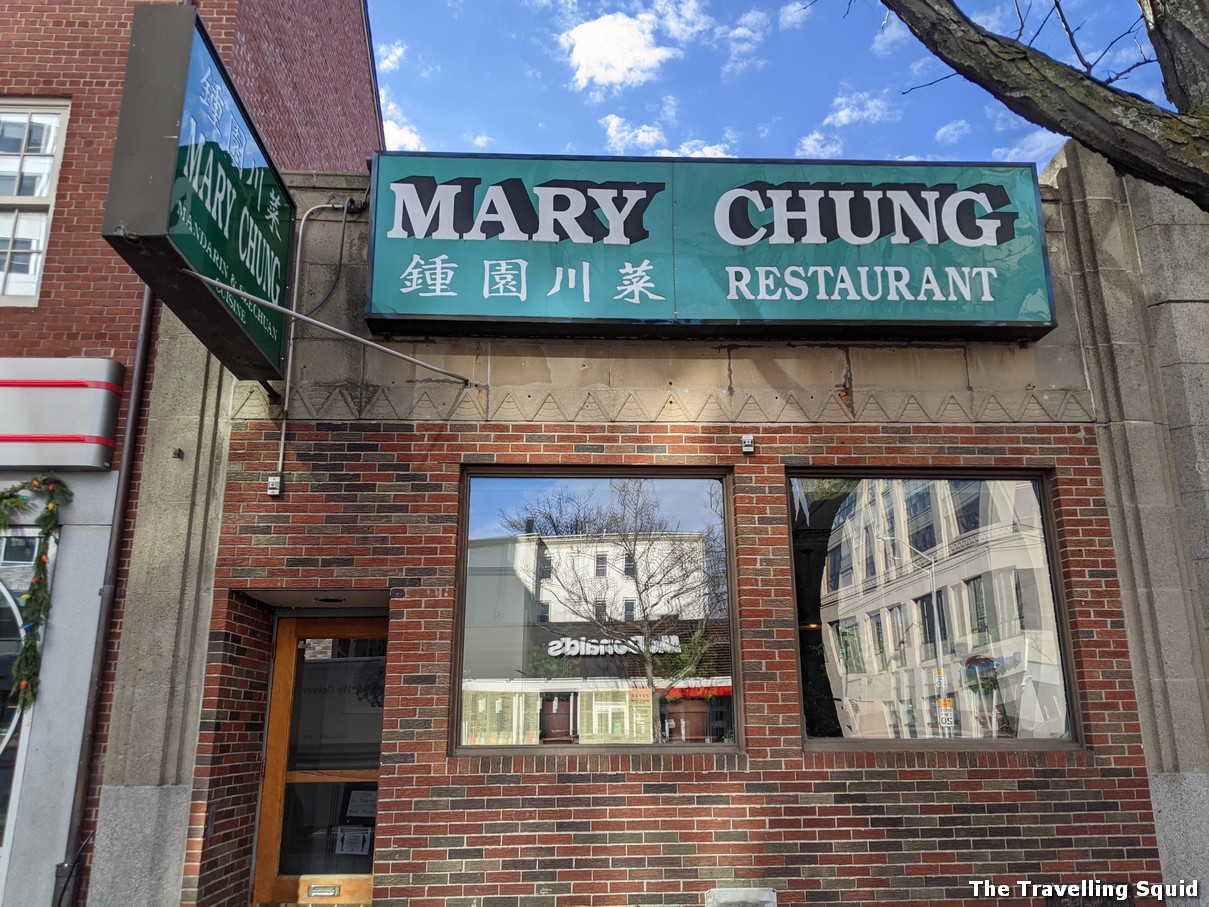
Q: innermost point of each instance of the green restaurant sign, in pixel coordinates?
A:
(543, 246)
(193, 188)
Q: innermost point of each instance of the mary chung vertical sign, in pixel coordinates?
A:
(193, 188)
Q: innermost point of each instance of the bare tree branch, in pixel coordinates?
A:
(1129, 32)
(1070, 35)
(1137, 136)
(929, 84)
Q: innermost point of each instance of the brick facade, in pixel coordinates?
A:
(376, 504)
(306, 70)
(315, 110)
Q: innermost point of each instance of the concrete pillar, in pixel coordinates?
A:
(152, 736)
(1137, 258)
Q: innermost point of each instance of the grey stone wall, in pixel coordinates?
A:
(1138, 261)
(147, 780)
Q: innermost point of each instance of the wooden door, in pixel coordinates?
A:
(319, 805)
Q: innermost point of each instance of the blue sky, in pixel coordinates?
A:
(693, 78)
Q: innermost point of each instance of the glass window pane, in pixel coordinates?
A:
(31, 226)
(18, 551)
(22, 237)
(960, 619)
(596, 612)
(22, 277)
(12, 132)
(9, 171)
(35, 177)
(43, 133)
(338, 695)
(328, 828)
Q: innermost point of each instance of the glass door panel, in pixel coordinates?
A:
(319, 808)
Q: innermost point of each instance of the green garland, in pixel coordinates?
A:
(51, 494)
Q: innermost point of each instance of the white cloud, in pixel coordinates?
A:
(952, 133)
(697, 148)
(792, 15)
(925, 65)
(482, 140)
(889, 37)
(683, 20)
(400, 135)
(670, 111)
(1003, 119)
(860, 107)
(565, 11)
(995, 18)
(621, 136)
(743, 39)
(818, 145)
(1038, 146)
(390, 56)
(615, 51)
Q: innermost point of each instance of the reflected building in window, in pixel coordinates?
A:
(926, 609)
(618, 636)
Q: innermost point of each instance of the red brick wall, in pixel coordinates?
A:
(304, 69)
(377, 504)
(89, 300)
(302, 66)
(229, 756)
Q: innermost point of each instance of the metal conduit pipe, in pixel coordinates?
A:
(289, 351)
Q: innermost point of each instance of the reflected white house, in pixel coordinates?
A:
(579, 638)
(935, 614)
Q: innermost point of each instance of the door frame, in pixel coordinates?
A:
(269, 886)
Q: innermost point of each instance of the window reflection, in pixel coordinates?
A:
(947, 630)
(338, 697)
(328, 828)
(596, 612)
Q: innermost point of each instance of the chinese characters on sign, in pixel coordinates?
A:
(435, 277)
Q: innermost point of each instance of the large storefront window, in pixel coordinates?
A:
(946, 628)
(596, 611)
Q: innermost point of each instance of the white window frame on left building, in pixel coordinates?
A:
(35, 164)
